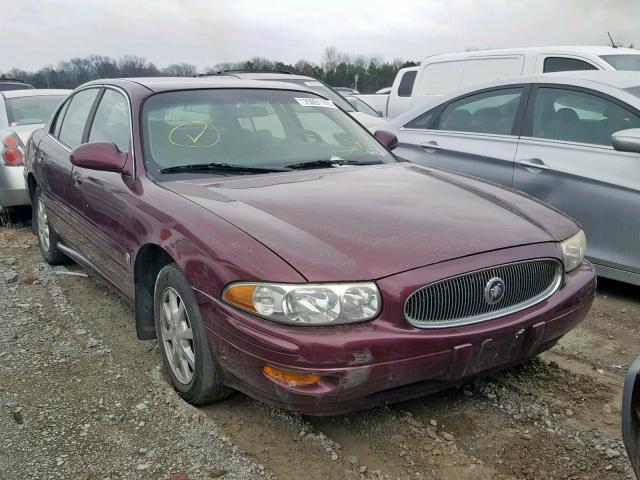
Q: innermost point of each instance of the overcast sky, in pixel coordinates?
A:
(34, 33)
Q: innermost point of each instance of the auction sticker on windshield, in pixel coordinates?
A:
(313, 84)
(315, 102)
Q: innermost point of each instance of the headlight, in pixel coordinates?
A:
(307, 304)
(573, 249)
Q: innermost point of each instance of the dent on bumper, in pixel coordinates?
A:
(371, 376)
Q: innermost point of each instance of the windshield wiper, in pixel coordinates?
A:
(220, 167)
(330, 163)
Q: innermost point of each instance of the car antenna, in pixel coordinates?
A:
(613, 44)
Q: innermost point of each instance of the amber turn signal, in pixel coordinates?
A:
(240, 296)
(292, 379)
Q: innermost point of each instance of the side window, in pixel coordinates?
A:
(406, 83)
(75, 119)
(111, 121)
(57, 123)
(564, 64)
(423, 122)
(574, 116)
(489, 112)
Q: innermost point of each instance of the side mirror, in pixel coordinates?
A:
(631, 415)
(102, 156)
(627, 140)
(388, 139)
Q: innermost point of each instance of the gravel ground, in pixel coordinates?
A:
(80, 397)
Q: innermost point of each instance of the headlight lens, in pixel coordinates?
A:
(573, 249)
(307, 304)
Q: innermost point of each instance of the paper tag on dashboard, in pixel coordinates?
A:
(315, 102)
(315, 83)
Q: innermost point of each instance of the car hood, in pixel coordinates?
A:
(368, 121)
(368, 222)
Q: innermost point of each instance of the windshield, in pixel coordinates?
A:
(363, 106)
(251, 128)
(32, 109)
(623, 62)
(324, 90)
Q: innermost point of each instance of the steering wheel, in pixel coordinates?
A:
(315, 135)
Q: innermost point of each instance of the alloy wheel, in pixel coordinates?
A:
(177, 336)
(43, 225)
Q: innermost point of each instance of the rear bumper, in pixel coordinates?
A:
(13, 191)
(365, 365)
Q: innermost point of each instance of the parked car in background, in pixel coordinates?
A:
(13, 84)
(21, 112)
(394, 100)
(442, 74)
(368, 120)
(346, 90)
(274, 246)
(569, 139)
(362, 106)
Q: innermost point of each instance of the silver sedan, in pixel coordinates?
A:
(21, 112)
(572, 140)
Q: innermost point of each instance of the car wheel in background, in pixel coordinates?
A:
(47, 237)
(182, 339)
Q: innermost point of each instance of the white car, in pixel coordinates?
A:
(21, 112)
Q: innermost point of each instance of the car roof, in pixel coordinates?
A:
(33, 92)
(164, 84)
(269, 76)
(559, 49)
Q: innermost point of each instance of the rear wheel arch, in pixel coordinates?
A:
(32, 184)
(150, 259)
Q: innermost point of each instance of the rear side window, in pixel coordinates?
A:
(488, 112)
(406, 83)
(564, 64)
(111, 122)
(75, 119)
(575, 116)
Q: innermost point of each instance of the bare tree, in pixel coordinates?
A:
(180, 70)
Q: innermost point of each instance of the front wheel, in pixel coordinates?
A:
(183, 342)
(47, 237)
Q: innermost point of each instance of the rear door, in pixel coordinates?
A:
(476, 134)
(566, 159)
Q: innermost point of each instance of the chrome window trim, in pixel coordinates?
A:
(457, 132)
(491, 315)
(569, 143)
(126, 96)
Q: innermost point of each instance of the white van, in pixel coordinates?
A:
(441, 74)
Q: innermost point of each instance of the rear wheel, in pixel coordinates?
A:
(180, 331)
(47, 237)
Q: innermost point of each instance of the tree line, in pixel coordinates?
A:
(366, 73)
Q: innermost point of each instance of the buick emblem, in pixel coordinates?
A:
(494, 290)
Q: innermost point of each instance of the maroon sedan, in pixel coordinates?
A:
(273, 246)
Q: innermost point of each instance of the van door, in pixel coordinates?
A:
(436, 79)
(488, 69)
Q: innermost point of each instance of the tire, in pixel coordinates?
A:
(47, 237)
(186, 356)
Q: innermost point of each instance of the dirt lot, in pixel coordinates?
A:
(80, 397)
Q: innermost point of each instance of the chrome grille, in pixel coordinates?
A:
(463, 299)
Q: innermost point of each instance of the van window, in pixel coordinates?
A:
(564, 64)
(406, 83)
(440, 78)
(488, 112)
(630, 63)
(480, 70)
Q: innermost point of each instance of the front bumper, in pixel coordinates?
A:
(386, 360)
(13, 191)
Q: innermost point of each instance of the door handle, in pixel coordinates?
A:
(77, 178)
(534, 164)
(430, 146)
